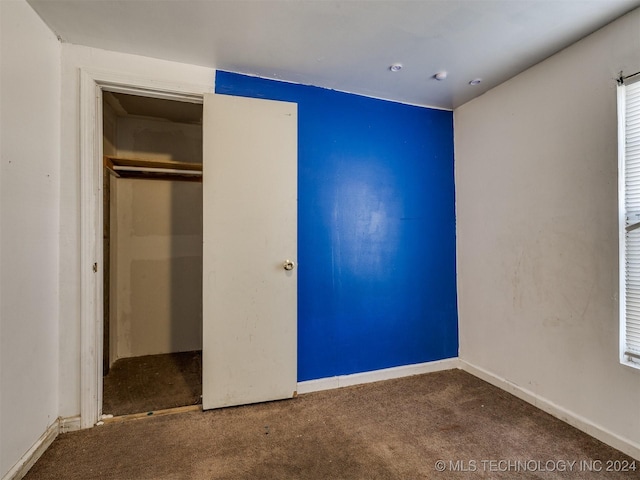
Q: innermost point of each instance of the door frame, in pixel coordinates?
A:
(92, 84)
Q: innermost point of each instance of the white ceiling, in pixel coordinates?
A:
(344, 45)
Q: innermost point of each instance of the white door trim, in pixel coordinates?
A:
(92, 83)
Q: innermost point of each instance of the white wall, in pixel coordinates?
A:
(536, 186)
(159, 269)
(29, 226)
(159, 140)
(75, 58)
(157, 244)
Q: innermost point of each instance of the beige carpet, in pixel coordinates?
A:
(397, 429)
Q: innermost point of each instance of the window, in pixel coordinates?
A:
(629, 208)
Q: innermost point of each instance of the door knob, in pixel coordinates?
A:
(288, 265)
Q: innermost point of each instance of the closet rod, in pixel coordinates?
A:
(622, 77)
(122, 168)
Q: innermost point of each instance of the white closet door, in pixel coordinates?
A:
(249, 232)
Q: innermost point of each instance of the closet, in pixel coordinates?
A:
(152, 227)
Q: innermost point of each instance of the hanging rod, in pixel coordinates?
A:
(120, 168)
(622, 77)
(152, 169)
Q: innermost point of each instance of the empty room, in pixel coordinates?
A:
(319, 239)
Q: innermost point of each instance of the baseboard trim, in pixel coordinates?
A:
(340, 381)
(22, 466)
(70, 424)
(581, 423)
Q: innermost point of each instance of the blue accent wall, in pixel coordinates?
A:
(376, 229)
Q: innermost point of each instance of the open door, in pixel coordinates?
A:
(249, 251)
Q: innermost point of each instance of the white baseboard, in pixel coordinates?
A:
(339, 381)
(23, 465)
(581, 423)
(69, 424)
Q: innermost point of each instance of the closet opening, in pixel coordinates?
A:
(152, 244)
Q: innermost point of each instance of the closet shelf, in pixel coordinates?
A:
(153, 169)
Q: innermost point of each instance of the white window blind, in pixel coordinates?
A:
(629, 186)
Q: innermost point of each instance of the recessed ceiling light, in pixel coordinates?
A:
(440, 76)
(396, 67)
(475, 81)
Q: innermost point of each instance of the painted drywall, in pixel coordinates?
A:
(157, 243)
(537, 238)
(75, 58)
(159, 140)
(376, 229)
(158, 240)
(29, 226)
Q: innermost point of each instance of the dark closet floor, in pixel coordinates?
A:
(153, 382)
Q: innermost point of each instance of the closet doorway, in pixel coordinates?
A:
(247, 288)
(152, 246)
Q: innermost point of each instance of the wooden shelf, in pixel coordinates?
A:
(122, 167)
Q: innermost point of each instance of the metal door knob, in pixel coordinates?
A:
(288, 265)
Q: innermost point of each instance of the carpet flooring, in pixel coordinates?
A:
(443, 425)
(153, 382)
